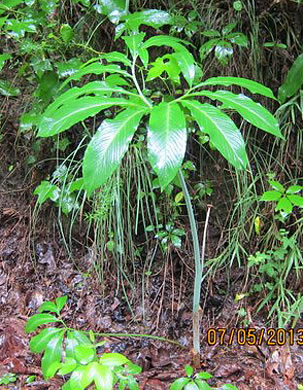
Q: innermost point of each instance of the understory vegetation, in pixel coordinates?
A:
(163, 142)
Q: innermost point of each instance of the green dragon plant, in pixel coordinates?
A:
(124, 89)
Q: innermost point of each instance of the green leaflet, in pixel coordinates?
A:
(276, 185)
(85, 353)
(103, 377)
(49, 306)
(76, 381)
(98, 88)
(252, 112)
(39, 319)
(223, 133)
(168, 64)
(4, 57)
(113, 359)
(180, 383)
(94, 68)
(7, 5)
(61, 301)
(108, 146)
(73, 340)
(52, 354)
(113, 9)
(238, 38)
(75, 111)
(134, 42)
(68, 366)
(116, 56)
(294, 189)
(252, 86)
(83, 376)
(166, 141)
(293, 81)
(285, 205)
(39, 342)
(150, 17)
(271, 196)
(7, 89)
(297, 200)
(184, 58)
(223, 51)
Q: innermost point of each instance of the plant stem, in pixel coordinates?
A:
(137, 84)
(198, 271)
(209, 206)
(126, 10)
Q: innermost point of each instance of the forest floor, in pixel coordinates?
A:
(27, 280)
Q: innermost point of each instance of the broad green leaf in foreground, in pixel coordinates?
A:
(252, 86)
(166, 141)
(251, 111)
(52, 354)
(108, 146)
(194, 386)
(223, 133)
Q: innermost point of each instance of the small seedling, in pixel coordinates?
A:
(286, 198)
(8, 378)
(222, 42)
(71, 352)
(275, 45)
(273, 267)
(197, 381)
(237, 5)
(168, 235)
